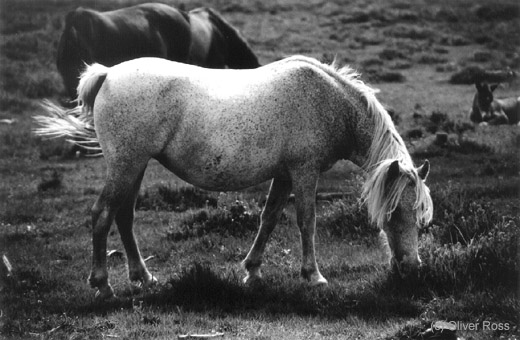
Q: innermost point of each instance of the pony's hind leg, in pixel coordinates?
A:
(276, 201)
(137, 270)
(304, 188)
(119, 183)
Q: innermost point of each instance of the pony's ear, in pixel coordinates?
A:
(393, 172)
(478, 85)
(493, 87)
(423, 170)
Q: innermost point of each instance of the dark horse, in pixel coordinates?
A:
(199, 37)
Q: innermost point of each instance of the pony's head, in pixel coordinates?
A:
(485, 98)
(398, 201)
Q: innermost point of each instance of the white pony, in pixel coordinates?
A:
(230, 129)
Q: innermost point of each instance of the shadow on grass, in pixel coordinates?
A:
(382, 296)
(200, 289)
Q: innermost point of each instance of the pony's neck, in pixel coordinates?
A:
(363, 134)
(376, 137)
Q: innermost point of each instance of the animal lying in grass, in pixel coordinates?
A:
(489, 110)
(226, 130)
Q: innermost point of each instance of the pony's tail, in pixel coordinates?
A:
(76, 124)
(89, 84)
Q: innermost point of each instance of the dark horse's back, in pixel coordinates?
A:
(228, 40)
(147, 30)
(113, 37)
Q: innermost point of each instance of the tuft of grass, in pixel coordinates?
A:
(479, 261)
(51, 179)
(413, 32)
(431, 59)
(486, 264)
(14, 102)
(441, 121)
(24, 209)
(380, 74)
(57, 148)
(391, 54)
(236, 220)
(348, 220)
(461, 216)
(498, 12)
(165, 197)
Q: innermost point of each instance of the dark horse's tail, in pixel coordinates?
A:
(240, 55)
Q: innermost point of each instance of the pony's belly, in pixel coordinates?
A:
(220, 172)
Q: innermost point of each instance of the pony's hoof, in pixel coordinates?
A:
(105, 293)
(253, 275)
(314, 277)
(252, 279)
(152, 281)
(319, 282)
(142, 278)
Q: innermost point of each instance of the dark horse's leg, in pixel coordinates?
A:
(125, 221)
(122, 176)
(276, 201)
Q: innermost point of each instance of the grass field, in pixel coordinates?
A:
(194, 240)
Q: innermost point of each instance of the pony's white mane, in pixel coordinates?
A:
(387, 146)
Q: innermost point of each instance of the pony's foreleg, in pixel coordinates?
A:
(276, 201)
(137, 270)
(305, 200)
